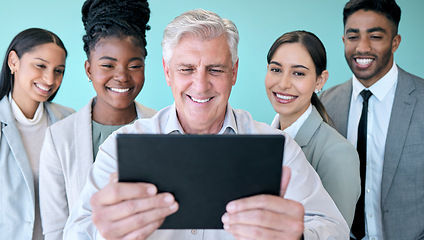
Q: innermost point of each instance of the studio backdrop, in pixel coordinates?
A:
(259, 24)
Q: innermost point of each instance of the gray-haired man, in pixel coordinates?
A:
(200, 64)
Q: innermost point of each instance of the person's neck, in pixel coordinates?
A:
(367, 83)
(28, 108)
(107, 115)
(288, 119)
(196, 128)
(285, 123)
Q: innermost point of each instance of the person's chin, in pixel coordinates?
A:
(122, 104)
(363, 74)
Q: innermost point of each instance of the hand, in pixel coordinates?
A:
(130, 210)
(265, 216)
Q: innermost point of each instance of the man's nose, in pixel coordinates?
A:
(364, 45)
(201, 81)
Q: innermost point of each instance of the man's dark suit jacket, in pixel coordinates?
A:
(402, 186)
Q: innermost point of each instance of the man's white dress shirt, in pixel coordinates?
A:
(322, 218)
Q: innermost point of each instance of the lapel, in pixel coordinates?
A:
(84, 134)
(402, 110)
(342, 106)
(13, 137)
(83, 138)
(52, 113)
(308, 128)
(143, 112)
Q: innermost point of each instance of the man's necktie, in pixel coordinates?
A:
(358, 226)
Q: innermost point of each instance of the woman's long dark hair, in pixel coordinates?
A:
(25, 42)
(317, 51)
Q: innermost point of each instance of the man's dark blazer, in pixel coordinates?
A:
(402, 186)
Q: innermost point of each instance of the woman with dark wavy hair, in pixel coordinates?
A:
(115, 44)
(31, 74)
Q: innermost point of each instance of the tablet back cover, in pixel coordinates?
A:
(203, 172)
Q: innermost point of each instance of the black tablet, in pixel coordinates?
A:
(203, 172)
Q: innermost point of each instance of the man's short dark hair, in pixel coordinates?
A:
(388, 8)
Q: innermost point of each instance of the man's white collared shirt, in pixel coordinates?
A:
(322, 218)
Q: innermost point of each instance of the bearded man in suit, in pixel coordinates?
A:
(391, 135)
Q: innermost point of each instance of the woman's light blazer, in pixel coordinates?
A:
(66, 157)
(17, 197)
(335, 160)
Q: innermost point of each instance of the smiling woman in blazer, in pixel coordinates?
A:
(296, 73)
(31, 74)
(115, 47)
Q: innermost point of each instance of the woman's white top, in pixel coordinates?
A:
(32, 134)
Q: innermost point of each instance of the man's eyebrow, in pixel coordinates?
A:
(376, 29)
(352, 30)
(185, 65)
(217, 66)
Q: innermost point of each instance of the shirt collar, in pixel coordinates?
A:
(380, 88)
(294, 127)
(276, 122)
(173, 125)
(20, 116)
(230, 125)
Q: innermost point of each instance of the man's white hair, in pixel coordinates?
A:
(202, 24)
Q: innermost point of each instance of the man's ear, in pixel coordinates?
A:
(234, 73)
(13, 61)
(395, 43)
(87, 67)
(166, 72)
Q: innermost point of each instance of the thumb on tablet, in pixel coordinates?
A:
(285, 179)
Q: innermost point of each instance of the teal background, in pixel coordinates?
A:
(259, 24)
